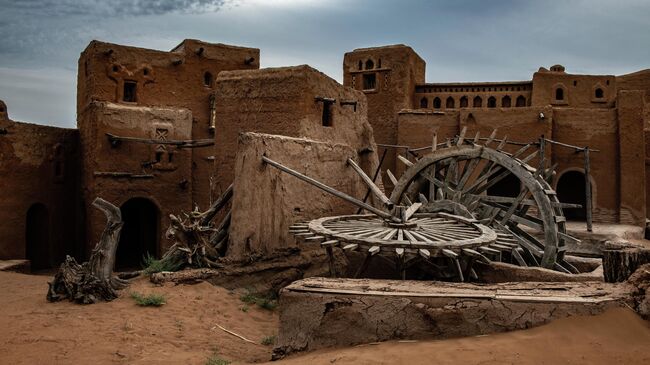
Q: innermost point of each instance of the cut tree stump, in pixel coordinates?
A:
(618, 265)
(92, 281)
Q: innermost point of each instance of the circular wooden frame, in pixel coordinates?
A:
(429, 231)
(550, 219)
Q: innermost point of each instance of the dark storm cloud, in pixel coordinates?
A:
(110, 7)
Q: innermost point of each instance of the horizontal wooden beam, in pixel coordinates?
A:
(191, 143)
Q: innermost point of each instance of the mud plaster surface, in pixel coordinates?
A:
(318, 312)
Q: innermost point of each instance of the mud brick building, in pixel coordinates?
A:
(604, 112)
(158, 133)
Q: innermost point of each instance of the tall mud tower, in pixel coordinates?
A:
(387, 75)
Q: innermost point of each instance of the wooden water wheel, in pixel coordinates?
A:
(466, 178)
(445, 209)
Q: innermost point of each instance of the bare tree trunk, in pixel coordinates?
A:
(618, 265)
(93, 280)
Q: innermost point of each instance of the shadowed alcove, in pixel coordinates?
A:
(140, 234)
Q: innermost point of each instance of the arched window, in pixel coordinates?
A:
(436, 103)
(521, 101)
(599, 93)
(559, 93)
(478, 102)
(506, 102)
(492, 102)
(424, 103)
(370, 65)
(207, 79)
(450, 104)
(463, 102)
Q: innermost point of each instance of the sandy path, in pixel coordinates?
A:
(180, 332)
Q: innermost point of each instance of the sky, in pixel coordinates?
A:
(460, 40)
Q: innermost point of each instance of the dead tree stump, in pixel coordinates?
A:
(618, 265)
(93, 280)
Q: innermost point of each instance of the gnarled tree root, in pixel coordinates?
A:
(92, 281)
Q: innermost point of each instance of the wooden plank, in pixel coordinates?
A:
(329, 243)
(371, 185)
(405, 161)
(408, 213)
(461, 137)
(391, 177)
(330, 190)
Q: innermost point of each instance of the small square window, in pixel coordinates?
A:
(369, 81)
(129, 91)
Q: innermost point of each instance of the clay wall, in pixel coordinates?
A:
(631, 145)
(597, 129)
(267, 201)
(285, 101)
(183, 78)
(577, 91)
(639, 80)
(397, 70)
(520, 124)
(40, 184)
(416, 129)
(473, 95)
(163, 175)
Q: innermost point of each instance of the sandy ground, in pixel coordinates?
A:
(34, 331)
(183, 332)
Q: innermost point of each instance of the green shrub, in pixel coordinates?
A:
(151, 300)
(267, 302)
(268, 340)
(151, 265)
(215, 359)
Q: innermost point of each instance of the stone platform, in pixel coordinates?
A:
(328, 312)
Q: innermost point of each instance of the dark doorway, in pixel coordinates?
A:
(37, 237)
(508, 187)
(140, 233)
(571, 189)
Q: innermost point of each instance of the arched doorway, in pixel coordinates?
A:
(571, 189)
(140, 233)
(37, 237)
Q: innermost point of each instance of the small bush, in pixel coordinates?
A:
(267, 302)
(216, 360)
(151, 300)
(268, 340)
(151, 265)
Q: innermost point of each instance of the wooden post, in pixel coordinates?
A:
(374, 177)
(371, 185)
(330, 190)
(432, 186)
(542, 155)
(587, 190)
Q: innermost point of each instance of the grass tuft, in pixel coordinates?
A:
(267, 302)
(215, 359)
(152, 265)
(268, 340)
(151, 300)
